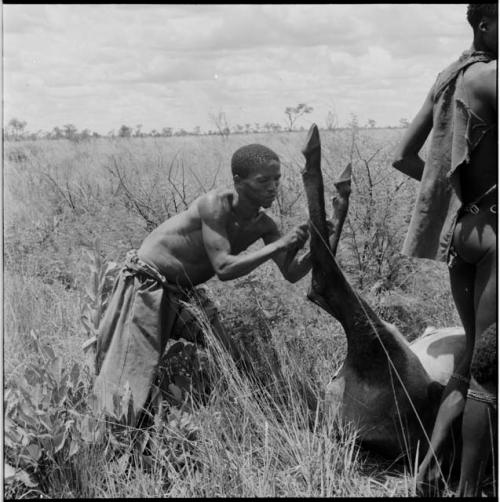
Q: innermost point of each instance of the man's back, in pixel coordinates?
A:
(478, 93)
(176, 248)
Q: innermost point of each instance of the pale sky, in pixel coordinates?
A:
(101, 66)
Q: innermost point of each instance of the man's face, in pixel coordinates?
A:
(261, 186)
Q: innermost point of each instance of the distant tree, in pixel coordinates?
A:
(197, 130)
(238, 129)
(275, 127)
(33, 136)
(96, 135)
(371, 123)
(293, 113)
(137, 132)
(167, 132)
(181, 132)
(404, 122)
(84, 135)
(257, 127)
(56, 133)
(111, 133)
(221, 123)
(354, 122)
(125, 131)
(16, 129)
(70, 131)
(331, 121)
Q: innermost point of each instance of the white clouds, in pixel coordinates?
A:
(99, 66)
(19, 20)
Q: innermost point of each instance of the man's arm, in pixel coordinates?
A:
(292, 267)
(214, 212)
(407, 159)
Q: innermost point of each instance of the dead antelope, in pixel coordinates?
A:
(388, 387)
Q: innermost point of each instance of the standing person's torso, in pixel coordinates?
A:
(481, 171)
(461, 162)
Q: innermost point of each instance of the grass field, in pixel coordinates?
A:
(64, 200)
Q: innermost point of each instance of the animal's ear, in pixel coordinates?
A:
(434, 392)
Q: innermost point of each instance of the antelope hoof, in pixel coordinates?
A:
(312, 142)
(343, 184)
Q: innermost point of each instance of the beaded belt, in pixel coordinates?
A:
(483, 397)
(476, 395)
(474, 208)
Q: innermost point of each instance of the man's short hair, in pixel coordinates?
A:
(476, 11)
(248, 157)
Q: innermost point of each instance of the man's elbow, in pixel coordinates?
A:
(224, 274)
(222, 269)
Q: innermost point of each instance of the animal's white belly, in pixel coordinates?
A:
(438, 351)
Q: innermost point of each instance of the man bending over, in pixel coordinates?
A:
(186, 250)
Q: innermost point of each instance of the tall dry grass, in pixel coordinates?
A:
(253, 437)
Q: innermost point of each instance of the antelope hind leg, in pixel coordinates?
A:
(340, 203)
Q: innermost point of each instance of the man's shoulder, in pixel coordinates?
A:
(481, 77)
(216, 201)
(449, 69)
(469, 62)
(483, 69)
(220, 196)
(488, 70)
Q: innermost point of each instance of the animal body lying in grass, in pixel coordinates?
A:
(389, 388)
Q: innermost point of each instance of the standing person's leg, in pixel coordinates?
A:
(454, 395)
(479, 420)
(485, 292)
(477, 424)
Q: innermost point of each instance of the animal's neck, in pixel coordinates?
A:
(332, 291)
(367, 335)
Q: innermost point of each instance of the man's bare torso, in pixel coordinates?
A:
(176, 247)
(482, 171)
